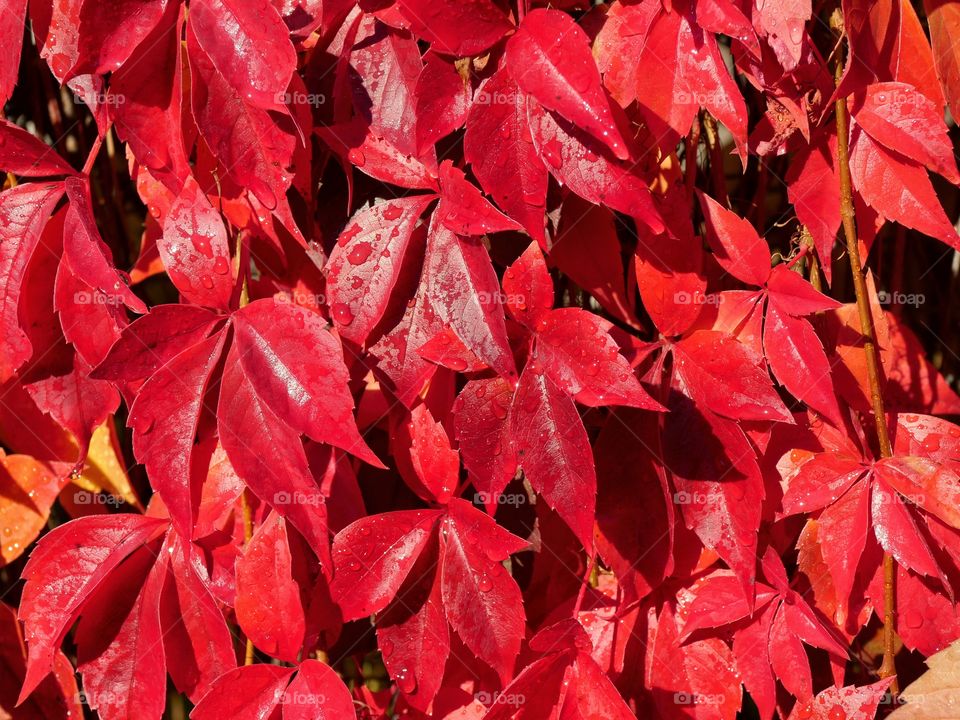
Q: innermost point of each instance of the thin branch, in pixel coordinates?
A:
(847, 216)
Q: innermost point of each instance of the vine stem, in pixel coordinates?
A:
(716, 159)
(591, 566)
(868, 332)
(245, 507)
(92, 155)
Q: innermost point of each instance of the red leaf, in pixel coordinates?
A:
(196, 639)
(897, 188)
(24, 154)
(726, 377)
(795, 296)
(250, 47)
(442, 23)
(120, 642)
(25, 210)
(70, 562)
(88, 255)
(366, 263)
(481, 599)
(164, 419)
(904, 120)
(783, 25)
(498, 146)
(462, 289)
(109, 33)
(268, 606)
(150, 119)
(317, 693)
(12, 21)
(528, 287)
(268, 455)
(681, 70)
(435, 462)
(847, 701)
(554, 451)
(414, 639)
(576, 350)
(941, 18)
(154, 339)
(443, 97)
(735, 244)
(549, 58)
(481, 418)
(464, 210)
(813, 185)
(251, 145)
(586, 167)
(195, 250)
(373, 556)
(932, 486)
(308, 391)
(249, 691)
(798, 361)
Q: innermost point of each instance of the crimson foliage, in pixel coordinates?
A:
(475, 359)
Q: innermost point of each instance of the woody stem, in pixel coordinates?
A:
(848, 220)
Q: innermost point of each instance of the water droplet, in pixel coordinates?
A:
(484, 583)
(342, 313)
(552, 153)
(356, 157)
(406, 681)
(206, 281)
(457, 364)
(913, 619)
(505, 132)
(386, 648)
(359, 254)
(220, 265)
(392, 212)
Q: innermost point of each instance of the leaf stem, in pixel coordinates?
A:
(716, 159)
(92, 155)
(868, 332)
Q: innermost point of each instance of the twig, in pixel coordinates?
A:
(847, 216)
